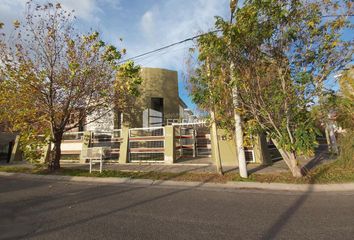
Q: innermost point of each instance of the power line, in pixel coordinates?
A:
(168, 46)
(198, 36)
(334, 15)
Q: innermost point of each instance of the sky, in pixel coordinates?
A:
(143, 25)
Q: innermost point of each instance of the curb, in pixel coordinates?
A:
(200, 185)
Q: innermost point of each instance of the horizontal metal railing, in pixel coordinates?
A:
(109, 139)
(147, 144)
(73, 136)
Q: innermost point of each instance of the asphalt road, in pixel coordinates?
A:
(33, 209)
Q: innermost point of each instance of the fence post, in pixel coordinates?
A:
(46, 152)
(260, 149)
(170, 145)
(16, 154)
(85, 145)
(194, 142)
(124, 146)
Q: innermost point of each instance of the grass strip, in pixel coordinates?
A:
(323, 174)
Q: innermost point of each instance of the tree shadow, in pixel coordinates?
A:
(284, 218)
(258, 168)
(315, 161)
(195, 160)
(8, 186)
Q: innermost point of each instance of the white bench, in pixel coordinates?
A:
(96, 155)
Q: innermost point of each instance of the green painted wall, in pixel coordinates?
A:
(227, 148)
(158, 83)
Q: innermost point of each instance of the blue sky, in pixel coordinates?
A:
(144, 25)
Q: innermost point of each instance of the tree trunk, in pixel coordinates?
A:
(215, 139)
(290, 160)
(332, 138)
(242, 166)
(54, 162)
(239, 133)
(328, 140)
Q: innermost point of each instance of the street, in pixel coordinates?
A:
(43, 209)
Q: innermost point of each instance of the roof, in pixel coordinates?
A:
(182, 103)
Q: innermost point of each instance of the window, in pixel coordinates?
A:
(156, 112)
(157, 104)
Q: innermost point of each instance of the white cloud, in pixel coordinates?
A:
(147, 22)
(165, 22)
(87, 10)
(171, 21)
(144, 25)
(84, 9)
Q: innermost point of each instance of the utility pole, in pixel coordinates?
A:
(238, 120)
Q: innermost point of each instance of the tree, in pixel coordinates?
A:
(201, 82)
(283, 52)
(52, 74)
(344, 101)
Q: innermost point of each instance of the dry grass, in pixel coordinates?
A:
(329, 173)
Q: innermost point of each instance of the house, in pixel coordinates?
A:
(158, 104)
(143, 133)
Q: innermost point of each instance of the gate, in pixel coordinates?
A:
(147, 144)
(192, 140)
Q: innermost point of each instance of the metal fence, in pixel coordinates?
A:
(185, 141)
(73, 136)
(111, 140)
(192, 140)
(147, 144)
(203, 141)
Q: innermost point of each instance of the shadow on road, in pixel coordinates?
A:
(284, 218)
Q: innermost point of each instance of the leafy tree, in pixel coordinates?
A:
(345, 100)
(283, 52)
(52, 74)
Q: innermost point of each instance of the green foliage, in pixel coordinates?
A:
(128, 78)
(53, 76)
(32, 146)
(346, 156)
(283, 52)
(346, 83)
(338, 107)
(343, 103)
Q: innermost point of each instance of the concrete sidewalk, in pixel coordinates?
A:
(277, 167)
(198, 167)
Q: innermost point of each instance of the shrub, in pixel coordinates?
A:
(346, 143)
